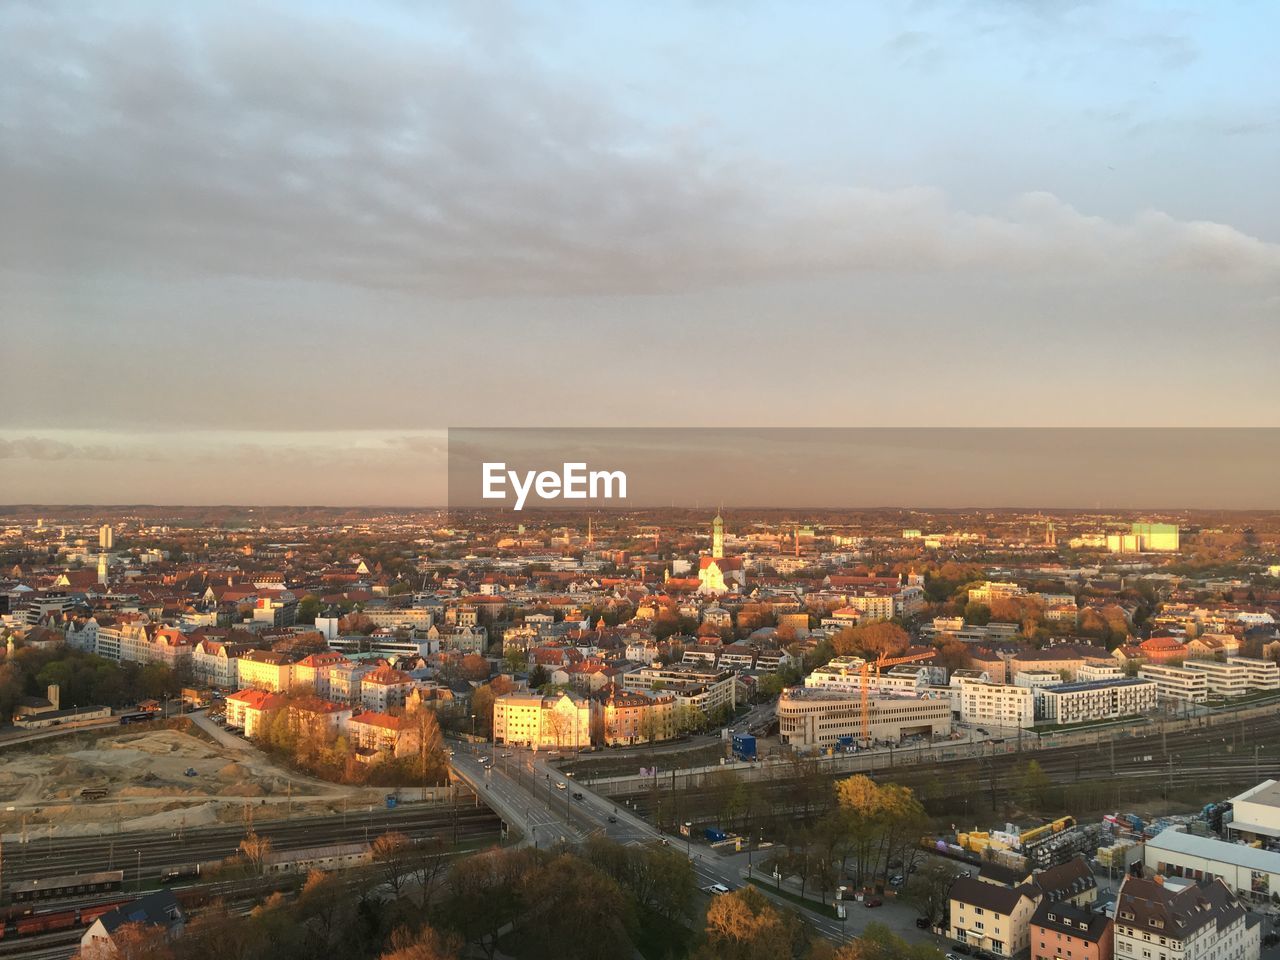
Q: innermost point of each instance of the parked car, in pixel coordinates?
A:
(872, 902)
(897, 880)
(922, 923)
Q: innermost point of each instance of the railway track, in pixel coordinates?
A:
(1222, 752)
(141, 855)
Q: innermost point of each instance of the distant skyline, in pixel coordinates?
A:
(1023, 468)
(268, 253)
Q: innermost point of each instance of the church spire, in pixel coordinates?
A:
(717, 536)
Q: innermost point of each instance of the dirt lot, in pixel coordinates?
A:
(147, 788)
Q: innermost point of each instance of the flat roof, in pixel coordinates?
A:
(1209, 848)
(1267, 794)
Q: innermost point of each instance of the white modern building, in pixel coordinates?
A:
(1177, 683)
(1100, 700)
(999, 704)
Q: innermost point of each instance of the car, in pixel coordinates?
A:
(897, 880)
(561, 785)
(717, 889)
(962, 948)
(612, 818)
(952, 956)
(190, 772)
(872, 902)
(922, 923)
(984, 955)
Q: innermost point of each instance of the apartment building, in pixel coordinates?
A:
(955, 628)
(1063, 931)
(265, 670)
(1177, 683)
(401, 618)
(1099, 700)
(813, 718)
(556, 722)
(906, 679)
(384, 688)
(1066, 660)
(249, 710)
(841, 673)
(376, 735)
(216, 663)
(999, 704)
(313, 671)
(345, 680)
(870, 604)
(991, 590)
(1182, 921)
(707, 689)
(1238, 676)
(991, 916)
(627, 717)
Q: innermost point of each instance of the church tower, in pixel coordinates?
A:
(717, 536)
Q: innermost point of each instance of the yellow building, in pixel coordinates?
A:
(556, 722)
(265, 670)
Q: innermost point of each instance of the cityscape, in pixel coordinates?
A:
(859, 733)
(682, 480)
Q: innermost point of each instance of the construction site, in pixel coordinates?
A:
(95, 783)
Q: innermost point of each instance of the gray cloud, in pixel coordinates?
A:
(322, 150)
(46, 449)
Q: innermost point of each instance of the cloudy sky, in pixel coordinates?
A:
(268, 255)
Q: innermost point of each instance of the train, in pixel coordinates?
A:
(51, 921)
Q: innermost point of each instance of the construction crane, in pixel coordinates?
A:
(880, 664)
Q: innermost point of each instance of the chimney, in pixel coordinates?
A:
(54, 695)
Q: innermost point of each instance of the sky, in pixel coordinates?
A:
(268, 253)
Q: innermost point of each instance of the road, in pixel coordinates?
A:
(522, 786)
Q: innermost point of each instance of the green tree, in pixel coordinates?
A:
(1035, 785)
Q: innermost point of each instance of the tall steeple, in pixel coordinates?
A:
(717, 536)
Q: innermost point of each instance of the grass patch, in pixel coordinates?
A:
(817, 906)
